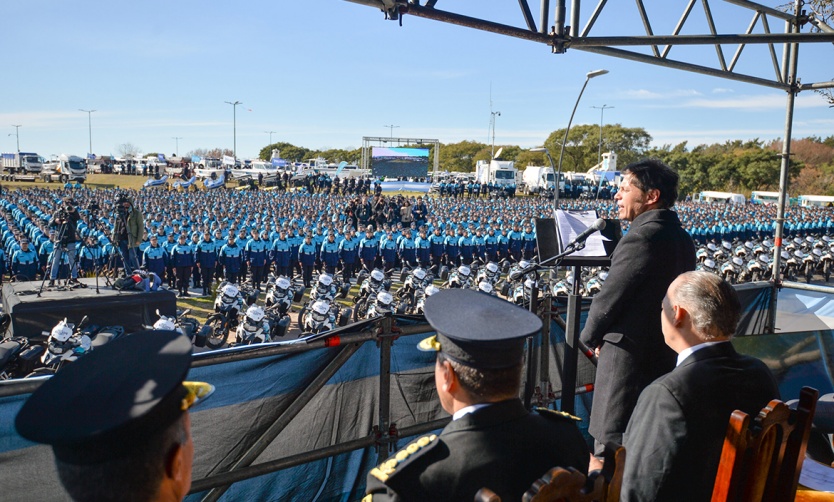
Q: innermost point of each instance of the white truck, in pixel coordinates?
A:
(24, 163)
(66, 168)
(499, 172)
(540, 178)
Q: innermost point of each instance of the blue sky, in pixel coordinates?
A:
(325, 73)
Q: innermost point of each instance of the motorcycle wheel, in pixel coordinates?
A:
(809, 274)
(361, 310)
(218, 334)
(301, 318)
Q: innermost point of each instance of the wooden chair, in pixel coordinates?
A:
(570, 485)
(761, 460)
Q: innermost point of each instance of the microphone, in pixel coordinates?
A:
(595, 226)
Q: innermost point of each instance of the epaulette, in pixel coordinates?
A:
(561, 415)
(385, 469)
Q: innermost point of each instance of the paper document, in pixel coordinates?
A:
(573, 223)
(816, 476)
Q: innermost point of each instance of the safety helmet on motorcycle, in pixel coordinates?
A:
(727, 245)
(164, 324)
(325, 280)
(817, 252)
(603, 276)
(709, 265)
(61, 332)
(253, 318)
(229, 293)
(320, 311)
(377, 276)
(764, 259)
(282, 285)
(523, 264)
(491, 269)
(419, 273)
(738, 261)
(384, 300)
(712, 247)
(464, 271)
(432, 289)
(486, 287)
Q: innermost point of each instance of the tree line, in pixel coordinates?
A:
(735, 165)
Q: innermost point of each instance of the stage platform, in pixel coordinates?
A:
(31, 314)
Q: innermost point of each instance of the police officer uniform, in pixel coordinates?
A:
(498, 445)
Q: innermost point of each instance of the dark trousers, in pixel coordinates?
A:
(206, 274)
(307, 274)
(170, 276)
(283, 271)
(196, 276)
(347, 271)
(257, 275)
(183, 276)
(231, 276)
(243, 271)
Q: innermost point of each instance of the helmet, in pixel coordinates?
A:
(383, 302)
(61, 332)
(164, 324)
(712, 247)
(727, 245)
(377, 275)
(254, 314)
(603, 276)
(419, 273)
(325, 280)
(282, 284)
(320, 311)
(492, 269)
(523, 264)
(432, 289)
(709, 265)
(229, 292)
(486, 287)
(738, 261)
(464, 271)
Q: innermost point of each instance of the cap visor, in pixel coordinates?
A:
(429, 344)
(197, 393)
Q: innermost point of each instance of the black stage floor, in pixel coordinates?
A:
(31, 314)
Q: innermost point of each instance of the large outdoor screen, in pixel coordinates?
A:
(398, 162)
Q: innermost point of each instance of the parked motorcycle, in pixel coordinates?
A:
(188, 326)
(228, 304)
(323, 316)
(254, 328)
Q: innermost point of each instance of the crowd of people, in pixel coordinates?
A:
(234, 234)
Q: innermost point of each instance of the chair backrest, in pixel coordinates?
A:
(569, 485)
(761, 459)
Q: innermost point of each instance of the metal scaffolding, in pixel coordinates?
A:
(369, 141)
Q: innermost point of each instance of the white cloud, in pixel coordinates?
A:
(722, 90)
(755, 102)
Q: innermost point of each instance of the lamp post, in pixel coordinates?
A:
(552, 168)
(599, 148)
(392, 127)
(234, 126)
(270, 135)
(492, 122)
(588, 76)
(17, 135)
(89, 126)
(177, 139)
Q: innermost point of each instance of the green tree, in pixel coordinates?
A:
(460, 157)
(288, 151)
(582, 149)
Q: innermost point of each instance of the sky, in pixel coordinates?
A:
(325, 73)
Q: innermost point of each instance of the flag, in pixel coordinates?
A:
(228, 160)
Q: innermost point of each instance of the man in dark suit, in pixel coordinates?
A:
(621, 327)
(492, 441)
(676, 434)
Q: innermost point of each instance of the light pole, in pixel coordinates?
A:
(392, 127)
(270, 135)
(89, 126)
(552, 168)
(492, 121)
(234, 126)
(177, 139)
(588, 76)
(599, 148)
(17, 135)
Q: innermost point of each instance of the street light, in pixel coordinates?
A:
(552, 168)
(177, 139)
(17, 135)
(599, 148)
(270, 135)
(588, 76)
(234, 126)
(89, 126)
(392, 127)
(492, 121)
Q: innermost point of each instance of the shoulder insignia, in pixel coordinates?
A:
(385, 469)
(368, 498)
(557, 414)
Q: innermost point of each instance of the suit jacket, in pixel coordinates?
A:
(676, 434)
(626, 316)
(502, 447)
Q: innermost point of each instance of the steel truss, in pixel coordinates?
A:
(369, 141)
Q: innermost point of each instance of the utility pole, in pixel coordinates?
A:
(89, 126)
(492, 123)
(177, 139)
(601, 113)
(270, 135)
(234, 126)
(392, 127)
(17, 135)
